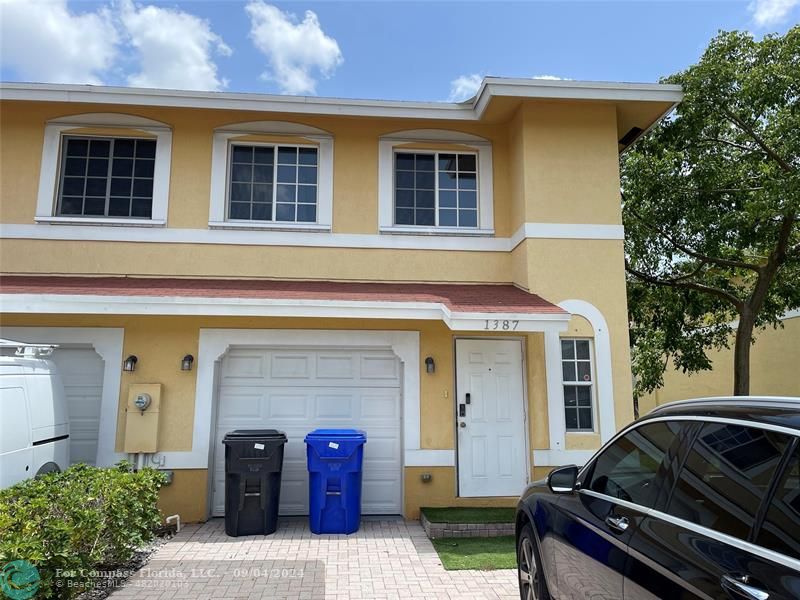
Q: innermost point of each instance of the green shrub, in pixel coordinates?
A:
(78, 520)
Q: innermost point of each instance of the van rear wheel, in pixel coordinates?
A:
(48, 467)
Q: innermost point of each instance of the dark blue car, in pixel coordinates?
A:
(699, 499)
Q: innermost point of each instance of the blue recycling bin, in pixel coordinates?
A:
(335, 458)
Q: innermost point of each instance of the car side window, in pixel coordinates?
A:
(627, 469)
(725, 475)
(783, 514)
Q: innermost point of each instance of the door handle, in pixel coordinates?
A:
(741, 588)
(462, 410)
(618, 524)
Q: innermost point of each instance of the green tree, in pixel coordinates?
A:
(711, 198)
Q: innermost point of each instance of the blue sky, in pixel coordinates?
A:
(388, 50)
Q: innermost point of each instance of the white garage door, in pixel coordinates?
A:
(299, 390)
(81, 371)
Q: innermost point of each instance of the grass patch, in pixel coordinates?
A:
(483, 553)
(469, 515)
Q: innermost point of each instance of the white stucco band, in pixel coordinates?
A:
(214, 343)
(558, 454)
(107, 343)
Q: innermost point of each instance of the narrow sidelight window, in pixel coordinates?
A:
(578, 381)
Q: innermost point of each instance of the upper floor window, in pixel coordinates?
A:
(271, 174)
(578, 382)
(273, 183)
(107, 177)
(105, 168)
(436, 189)
(434, 181)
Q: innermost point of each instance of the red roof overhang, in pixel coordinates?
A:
(453, 303)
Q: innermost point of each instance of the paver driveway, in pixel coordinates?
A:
(385, 559)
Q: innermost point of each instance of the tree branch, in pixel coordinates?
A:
(758, 140)
(690, 285)
(721, 262)
(729, 143)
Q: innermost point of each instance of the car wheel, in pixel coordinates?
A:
(529, 568)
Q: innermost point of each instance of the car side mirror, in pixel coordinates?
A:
(563, 479)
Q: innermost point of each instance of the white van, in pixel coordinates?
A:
(34, 424)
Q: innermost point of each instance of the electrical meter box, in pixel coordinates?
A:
(141, 417)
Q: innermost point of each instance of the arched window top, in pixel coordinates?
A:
(109, 120)
(435, 135)
(272, 127)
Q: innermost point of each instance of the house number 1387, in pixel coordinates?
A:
(504, 325)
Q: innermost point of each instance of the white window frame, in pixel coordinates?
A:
(224, 137)
(389, 145)
(50, 171)
(591, 384)
(275, 146)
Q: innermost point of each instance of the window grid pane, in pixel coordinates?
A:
(106, 177)
(436, 189)
(273, 183)
(577, 378)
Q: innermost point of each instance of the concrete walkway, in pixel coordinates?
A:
(386, 558)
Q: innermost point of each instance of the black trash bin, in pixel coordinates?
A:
(253, 467)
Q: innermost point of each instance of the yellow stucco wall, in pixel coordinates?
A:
(160, 342)
(774, 370)
(554, 162)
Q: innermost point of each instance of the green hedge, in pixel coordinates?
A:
(78, 520)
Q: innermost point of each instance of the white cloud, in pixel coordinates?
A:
(548, 77)
(175, 48)
(296, 50)
(45, 41)
(771, 12)
(464, 87)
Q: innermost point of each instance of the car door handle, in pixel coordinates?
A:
(618, 524)
(741, 587)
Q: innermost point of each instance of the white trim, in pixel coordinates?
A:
(557, 428)
(271, 307)
(248, 235)
(107, 343)
(472, 110)
(485, 170)
(570, 231)
(214, 343)
(557, 458)
(604, 384)
(430, 458)
(51, 152)
(223, 136)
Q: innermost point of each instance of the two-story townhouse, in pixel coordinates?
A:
(447, 277)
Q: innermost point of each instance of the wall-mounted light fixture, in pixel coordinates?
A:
(430, 366)
(186, 363)
(130, 364)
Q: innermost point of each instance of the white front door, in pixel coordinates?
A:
(490, 418)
